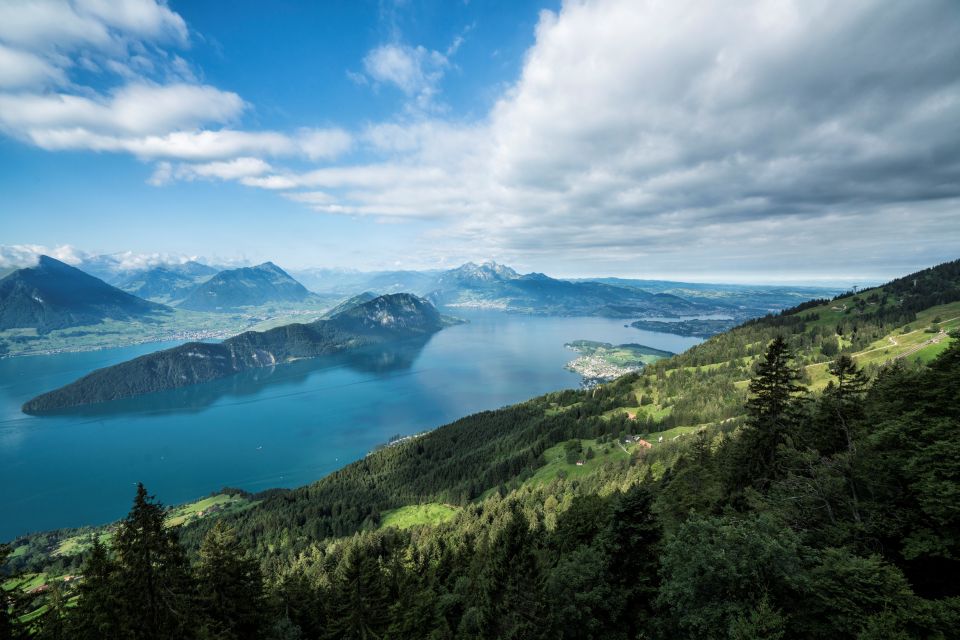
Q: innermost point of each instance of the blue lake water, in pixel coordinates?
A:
(280, 427)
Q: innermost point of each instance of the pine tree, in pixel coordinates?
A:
(511, 583)
(97, 614)
(772, 409)
(359, 599)
(230, 586)
(631, 541)
(847, 396)
(156, 590)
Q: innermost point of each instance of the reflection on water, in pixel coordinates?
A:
(378, 360)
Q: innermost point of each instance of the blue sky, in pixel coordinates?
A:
(768, 140)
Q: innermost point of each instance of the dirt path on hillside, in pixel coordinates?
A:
(926, 343)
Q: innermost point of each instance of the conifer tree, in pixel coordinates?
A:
(359, 598)
(156, 589)
(230, 586)
(511, 583)
(631, 539)
(847, 395)
(97, 614)
(772, 410)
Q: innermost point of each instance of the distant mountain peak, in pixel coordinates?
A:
(245, 287)
(484, 272)
(54, 295)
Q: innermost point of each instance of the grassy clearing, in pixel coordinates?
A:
(930, 352)
(80, 544)
(557, 462)
(213, 505)
(668, 435)
(18, 551)
(655, 411)
(431, 513)
(26, 582)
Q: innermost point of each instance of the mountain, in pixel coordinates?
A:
(350, 303)
(384, 319)
(54, 295)
(167, 283)
(494, 286)
(490, 285)
(245, 287)
(476, 275)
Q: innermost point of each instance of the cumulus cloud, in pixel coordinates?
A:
(66, 24)
(157, 109)
(19, 69)
(641, 131)
(136, 109)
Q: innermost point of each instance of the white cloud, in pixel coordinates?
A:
(224, 170)
(64, 25)
(132, 109)
(639, 132)
(162, 174)
(643, 131)
(324, 144)
(23, 69)
(19, 256)
(416, 71)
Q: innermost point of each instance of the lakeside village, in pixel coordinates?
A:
(600, 362)
(595, 370)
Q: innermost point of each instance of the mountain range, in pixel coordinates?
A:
(245, 287)
(168, 283)
(384, 319)
(66, 296)
(54, 295)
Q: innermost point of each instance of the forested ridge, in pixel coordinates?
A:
(389, 318)
(807, 485)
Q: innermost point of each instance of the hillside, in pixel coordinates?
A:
(234, 289)
(687, 502)
(169, 283)
(387, 318)
(53, 295)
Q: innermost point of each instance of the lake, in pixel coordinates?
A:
(279, 427)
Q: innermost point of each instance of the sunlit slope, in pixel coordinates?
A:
(907, 319)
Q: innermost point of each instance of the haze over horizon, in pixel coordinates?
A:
(776, 141)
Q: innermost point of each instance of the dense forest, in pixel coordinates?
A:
(800, 492)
